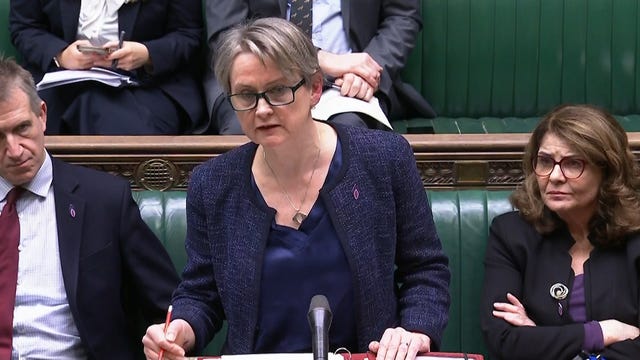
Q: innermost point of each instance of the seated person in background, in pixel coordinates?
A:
(363, 46)
(562, 273)
(88, 265)
(161, 45)
(305, 208)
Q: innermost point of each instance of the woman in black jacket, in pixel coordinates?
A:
(561, 274)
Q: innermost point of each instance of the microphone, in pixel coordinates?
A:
(319, 317)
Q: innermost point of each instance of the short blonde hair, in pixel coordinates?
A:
(272, 39)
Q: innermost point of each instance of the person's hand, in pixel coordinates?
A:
(352, 85)
(178, 340)
(399, 344)
(512, 312)
(614, 331)
(131, 56)
(361, 64)
(73, 59)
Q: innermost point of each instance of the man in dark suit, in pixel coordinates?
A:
(377, 36)
(91, 275)
(160, 48)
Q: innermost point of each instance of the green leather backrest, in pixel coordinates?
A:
(462, 218)
(520, 58)
(165, 213)
(492, 66)
(6, 48)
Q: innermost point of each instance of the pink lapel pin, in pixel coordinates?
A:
(356, 193)
(72, 211)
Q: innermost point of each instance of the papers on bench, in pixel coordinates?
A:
(331, 103)
(102, 75)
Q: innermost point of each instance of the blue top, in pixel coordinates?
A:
(298, 264)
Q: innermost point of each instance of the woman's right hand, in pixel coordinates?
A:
(73, 59)
(614, 331)
(512, 312)
(178, 339)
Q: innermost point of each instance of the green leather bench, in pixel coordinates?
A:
(6, 49)
(496, 66)
(462, 218)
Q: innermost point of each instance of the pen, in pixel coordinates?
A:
(166, 326)
(114, 63)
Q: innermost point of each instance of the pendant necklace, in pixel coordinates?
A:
(299, 216)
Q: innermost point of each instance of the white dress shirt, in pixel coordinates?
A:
(98, 21)
(43, 327)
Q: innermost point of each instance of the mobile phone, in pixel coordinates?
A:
(94, 49)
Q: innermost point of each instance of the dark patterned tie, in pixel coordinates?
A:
(9, 240)
(301, 15)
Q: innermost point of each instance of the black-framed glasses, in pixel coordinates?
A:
(570, 167)
(276, 96)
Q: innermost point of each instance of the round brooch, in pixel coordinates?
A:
(559, 291)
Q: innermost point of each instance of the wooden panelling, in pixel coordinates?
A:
(166, 162)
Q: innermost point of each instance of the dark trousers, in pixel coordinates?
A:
(90, 108)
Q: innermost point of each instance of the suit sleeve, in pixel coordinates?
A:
(399, 25)
(220, 15)
(197, 300)
(504, 267)
(422, 266)
(629, 349)
(182, 37)
(149, 271)
(32, 33)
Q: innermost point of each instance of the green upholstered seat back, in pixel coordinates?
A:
(165, 213)
(462, 218)
(495, 66)
(6, 48)
(520, 58)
